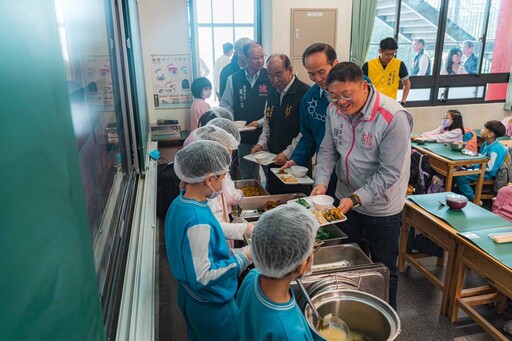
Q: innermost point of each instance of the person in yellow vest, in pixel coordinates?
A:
(386, 71)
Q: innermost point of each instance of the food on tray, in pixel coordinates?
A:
(251, 191)
(270, 205)
(322, 234)
(319, 216)
(289, 178)
(328, 216)
(303, 203)
(281, 171)
(336, 213)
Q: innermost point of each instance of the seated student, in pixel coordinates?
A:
(282, 250)
(490, 148)
(507, 122)
(221, 205)
(215, 112)
(201, 90)
(200, 260)
(451, 129)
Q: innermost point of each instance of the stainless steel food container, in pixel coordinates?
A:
(249, 208)
(337, 236)
(334, 258)
(361, 311)
(251, 183)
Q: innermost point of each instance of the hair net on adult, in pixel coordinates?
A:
(222, 113)
(282, 239)
(200, 159)
(214, 133)
(227, 125)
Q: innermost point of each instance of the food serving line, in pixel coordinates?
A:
(466, 236)
(343, 279)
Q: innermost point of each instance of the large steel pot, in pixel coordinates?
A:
(361, 311)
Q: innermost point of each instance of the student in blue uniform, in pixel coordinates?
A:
(491, 148)
(282, 250)
(197, 250)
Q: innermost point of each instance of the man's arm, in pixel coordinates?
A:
(227, 99)
(306, 146)
(327, 154)
(404, 77)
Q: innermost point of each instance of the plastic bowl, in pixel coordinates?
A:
(261, 157)
(456, 201)
(299, 171)
(322, 202)
(240, 124)
(457, 145)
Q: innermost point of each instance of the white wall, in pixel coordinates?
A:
(474, 115)
(277, 24)
(164, 30)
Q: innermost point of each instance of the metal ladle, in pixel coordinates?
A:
(320, 324)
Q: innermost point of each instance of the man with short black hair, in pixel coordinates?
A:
(386, 71)
(367, 143)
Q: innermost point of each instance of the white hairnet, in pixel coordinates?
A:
(227, 125)
(200, 159)
(222, 113)
(282, 239)
(214, 133)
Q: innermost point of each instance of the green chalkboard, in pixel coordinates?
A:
(48, 285)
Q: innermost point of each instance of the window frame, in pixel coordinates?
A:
(437, 81)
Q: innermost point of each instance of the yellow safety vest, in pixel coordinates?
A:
(385, 80)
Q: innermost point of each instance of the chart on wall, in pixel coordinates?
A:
(172, 78)
(98, 80)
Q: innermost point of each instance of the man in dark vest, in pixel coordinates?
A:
(237, 63)
(281, 129)
(245, 97)
(421, 63)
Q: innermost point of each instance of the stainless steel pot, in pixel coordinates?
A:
(362, 312)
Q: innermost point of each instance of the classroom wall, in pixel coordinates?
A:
(164, 30)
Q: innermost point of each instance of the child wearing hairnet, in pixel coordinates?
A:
(282, 250)
(220, 130)
(198, 254)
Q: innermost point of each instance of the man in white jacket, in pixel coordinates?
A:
(367, 140)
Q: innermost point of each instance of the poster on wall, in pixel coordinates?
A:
(98, 82)
(172, 78)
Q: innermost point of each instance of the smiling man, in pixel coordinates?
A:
(281, 130)
(367, 140)
(386, 71)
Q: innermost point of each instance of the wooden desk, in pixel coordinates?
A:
(506, 143)
(470, 256)
(440, 233)
(448, 168)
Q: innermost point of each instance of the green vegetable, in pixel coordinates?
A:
(303, 203)
(322, 234)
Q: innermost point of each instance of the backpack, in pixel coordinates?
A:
(502, 204)
(421, 173)
(437, 185)
(167, 188)
(504, 174)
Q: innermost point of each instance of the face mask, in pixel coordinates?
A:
(446, 122)
(206, 94)
(214, 194)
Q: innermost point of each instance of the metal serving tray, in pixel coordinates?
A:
(335, 258)
(337, 236)
(251, 183)
(249, 208)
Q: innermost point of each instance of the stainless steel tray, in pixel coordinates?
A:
(337, 236)
(251, 183)
(334, 258)
(249, 208)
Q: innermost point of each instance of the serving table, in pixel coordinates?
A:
(450, 163)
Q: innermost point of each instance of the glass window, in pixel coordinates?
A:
(204, 11)
(497, 57)
(222, 11)
(244, 11)
(451, 93)
(418, 36)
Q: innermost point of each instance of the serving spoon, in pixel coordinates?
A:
(320, 325)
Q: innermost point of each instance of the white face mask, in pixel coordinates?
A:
(206, 94)
(215, 194)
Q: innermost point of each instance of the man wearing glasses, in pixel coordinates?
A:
(367, 142)
(386, 71)
(245, 97)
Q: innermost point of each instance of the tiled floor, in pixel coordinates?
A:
(418, 308)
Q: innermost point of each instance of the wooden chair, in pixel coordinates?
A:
(489, 193)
